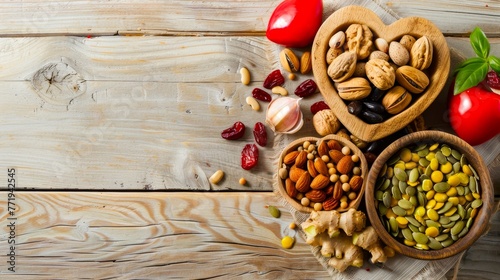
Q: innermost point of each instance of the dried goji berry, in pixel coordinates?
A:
(261, 95)
(306, 88)
(234, 132)
(249, 156)
(260, 134)
(274, 79)
(318, 106)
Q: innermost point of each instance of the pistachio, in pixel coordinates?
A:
(382, 45)
(412, 79)
(407, 41)
(342, 67)
(359, 40)
(354, 88)
(333, 53)
(380, 73)
(289, 60)
(337, 40)
(421, 53)
(380, 55)
(398, 53)
(396, 100)
(305, 63)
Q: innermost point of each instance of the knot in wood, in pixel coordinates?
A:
(58, 83)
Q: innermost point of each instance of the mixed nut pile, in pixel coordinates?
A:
(377, 78)
(322, 175)
(427, 196)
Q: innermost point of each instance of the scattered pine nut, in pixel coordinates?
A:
(292, 225)
(292, 76)
(216, 177)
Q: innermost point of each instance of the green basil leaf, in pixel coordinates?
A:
(480, 43)
(469, 76)
(472, 60)
(494, 63)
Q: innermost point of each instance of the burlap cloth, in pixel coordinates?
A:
(402, 267)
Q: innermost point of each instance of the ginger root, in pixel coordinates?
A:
(340, 250)
(333, 221)
(344, 248)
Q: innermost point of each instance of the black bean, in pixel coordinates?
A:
(374, 107)
(376, 94)
(355, 107)
(371, 117)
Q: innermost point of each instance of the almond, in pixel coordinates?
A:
(345, 165)
(290, 188)
(316, 195)
(336, 155)
(356, 183)
(320, 166)
(337, 190)
(295, 173)
(290, 157)
(329, 189)
(323, 149)
(303, 183)
(330, 204)
(320, 182)
(301, 159)
(334, 145)
(311, 168)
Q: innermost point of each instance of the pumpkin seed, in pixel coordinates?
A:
(423, 162)
(450, 225)
(405, 204)
(402, 187)
(441, 187)
(386, 199)
(407, 234)
(379, 195)
(411, 191)
(447, 206)
(382, 209)
(393, 224)
(396, 193)
(413, 228)
(476, 203)
(441, 158)
(434, 244)
(385, 185)
(473, 171)
(447, 242)
(457, 228)
(456, 154)
(413, 221)
(446, 151)
(473, 185)
(455, 217)
(275, 212)
(444, 220)
(457, 167)
(441, 237)
(414, 174)
(400, 174)
(431, 223)
(420, 237)
(463, 160)
(463, 232)
(469, 222)
(422, 200)
(398, 210)
(454, 237)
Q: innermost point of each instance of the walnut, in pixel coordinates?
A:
(325, 122)
(342, 67)
(380, 73)
(359, 40)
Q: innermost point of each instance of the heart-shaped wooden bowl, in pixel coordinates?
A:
(363, 165)
(481, 221)
(415, 26)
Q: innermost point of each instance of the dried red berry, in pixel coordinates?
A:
(249, 156)
(318, 106)
(306, 88)
(234, 132)
(261, 95)
(260, 134)
(493, 80)
(274, 79)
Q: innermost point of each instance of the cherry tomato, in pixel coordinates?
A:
(294, 23)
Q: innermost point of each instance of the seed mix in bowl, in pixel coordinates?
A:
(427, 195)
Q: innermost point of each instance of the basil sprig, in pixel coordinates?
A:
(473, 70)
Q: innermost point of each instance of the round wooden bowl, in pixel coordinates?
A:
(415, 26)
(481, 221)
(314, 140)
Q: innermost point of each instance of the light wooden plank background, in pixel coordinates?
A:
(136, 115)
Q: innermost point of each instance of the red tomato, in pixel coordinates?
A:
(294, 23)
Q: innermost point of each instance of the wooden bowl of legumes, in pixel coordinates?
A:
(429, 195)
(326, 173)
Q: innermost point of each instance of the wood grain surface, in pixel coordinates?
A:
(219, 17)
(113, 133)
(96, 235)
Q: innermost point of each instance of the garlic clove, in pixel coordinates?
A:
(297, 126)
(283, 115)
